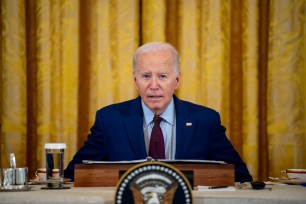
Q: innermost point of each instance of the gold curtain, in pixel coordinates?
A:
(61, 60)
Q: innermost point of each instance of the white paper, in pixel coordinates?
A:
(162, 160)
(192, 161)
(114, 162)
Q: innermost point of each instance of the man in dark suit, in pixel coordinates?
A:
(122, 131)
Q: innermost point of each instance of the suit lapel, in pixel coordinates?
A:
(134, 127)
(184, 130)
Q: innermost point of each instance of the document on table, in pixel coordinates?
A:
(216, 188)
(113, 162)
(162, 160)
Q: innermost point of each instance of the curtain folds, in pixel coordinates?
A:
(62, 60)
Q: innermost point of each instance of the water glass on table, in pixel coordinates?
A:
(55, 164)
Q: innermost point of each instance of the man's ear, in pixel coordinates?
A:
(178, 80)
(135, 84)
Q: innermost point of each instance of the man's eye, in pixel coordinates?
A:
(146, 76)
(163, 76)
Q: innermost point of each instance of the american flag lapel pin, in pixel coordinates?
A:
(188, 124)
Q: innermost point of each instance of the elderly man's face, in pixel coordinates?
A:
(156, 79)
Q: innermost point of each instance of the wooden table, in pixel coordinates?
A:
(289, 194)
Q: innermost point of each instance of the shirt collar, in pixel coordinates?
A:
(167, 115)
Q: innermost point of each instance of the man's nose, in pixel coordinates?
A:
(154, 83)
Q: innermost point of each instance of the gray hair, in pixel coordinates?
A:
(157, 46)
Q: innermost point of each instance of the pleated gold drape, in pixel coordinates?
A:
(61, 60)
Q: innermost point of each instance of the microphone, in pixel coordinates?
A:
(155, 119)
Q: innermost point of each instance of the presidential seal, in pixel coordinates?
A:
(153, 183)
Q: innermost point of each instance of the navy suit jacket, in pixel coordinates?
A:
(117, 134)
